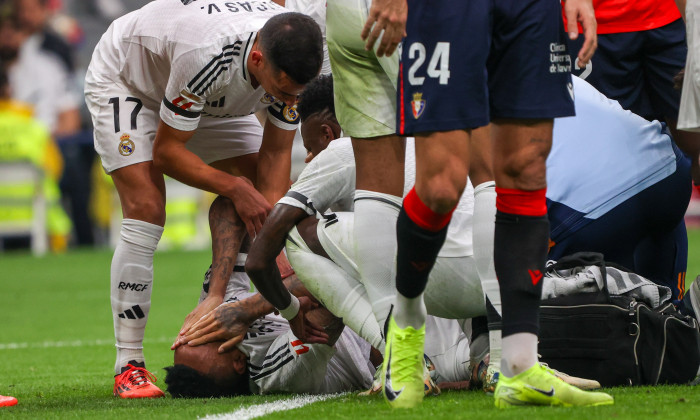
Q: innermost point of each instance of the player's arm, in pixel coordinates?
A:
(227, 235)
(274, 161)
(581, 11)
(388, 16)
(171, 157)
(260, 264)
(263, 272)
(681, 7)
(229, 322)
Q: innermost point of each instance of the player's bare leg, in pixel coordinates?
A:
(141, 191)
(520, 249)
(442, 164)
(522, 232)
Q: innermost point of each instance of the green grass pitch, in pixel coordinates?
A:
(56, 351)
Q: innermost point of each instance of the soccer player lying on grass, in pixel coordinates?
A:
(265, 357)
(209, 370)
(337, 360)
(454, 291)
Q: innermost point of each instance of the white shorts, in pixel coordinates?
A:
(125, 127)
(689, 112)
(447, 346)
(453, 291)
(364, 84)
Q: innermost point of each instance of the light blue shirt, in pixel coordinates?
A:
(605, 154)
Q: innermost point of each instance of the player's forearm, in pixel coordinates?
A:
(227, 233)
(274, 162)
(261, 264)
(273, 174)
(174, 160)
(257, 306)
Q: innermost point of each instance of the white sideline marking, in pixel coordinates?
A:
(74, 343)
(259, 410)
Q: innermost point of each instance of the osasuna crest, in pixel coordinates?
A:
(126, 146)
(417, 105)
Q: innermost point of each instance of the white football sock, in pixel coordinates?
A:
(375, 247)
(409, 311)
(519, 353)
(337, 291)
(483, 234)
(130, 287)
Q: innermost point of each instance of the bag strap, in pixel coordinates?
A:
(583, 259)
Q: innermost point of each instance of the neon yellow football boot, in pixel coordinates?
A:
(540, 386)
(403, 366)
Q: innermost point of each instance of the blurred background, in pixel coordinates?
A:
(54, 195)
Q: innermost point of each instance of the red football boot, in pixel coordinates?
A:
(136, 382)
(7, 401)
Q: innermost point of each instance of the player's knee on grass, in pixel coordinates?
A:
(201, 372)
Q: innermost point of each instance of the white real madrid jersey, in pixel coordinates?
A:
(329, 179)
(190, 56)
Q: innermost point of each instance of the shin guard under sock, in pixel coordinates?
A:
(520, 250)
(130, 287)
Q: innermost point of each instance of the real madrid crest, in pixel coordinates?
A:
(417, 105)
(267, 99)
(126, 146)
(290, 113)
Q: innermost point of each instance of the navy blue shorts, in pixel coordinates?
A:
(464, 63)
(637, 69)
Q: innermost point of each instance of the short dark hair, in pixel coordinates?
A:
(316, 97)
(185, 382)
(293, 43)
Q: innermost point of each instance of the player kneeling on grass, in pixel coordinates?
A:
(455, 291)
(337, 360)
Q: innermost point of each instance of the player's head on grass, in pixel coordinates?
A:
(317, 112)
(201, 372)
(287, 55)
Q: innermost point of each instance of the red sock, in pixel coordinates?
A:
(422, 215)
(525, 203)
